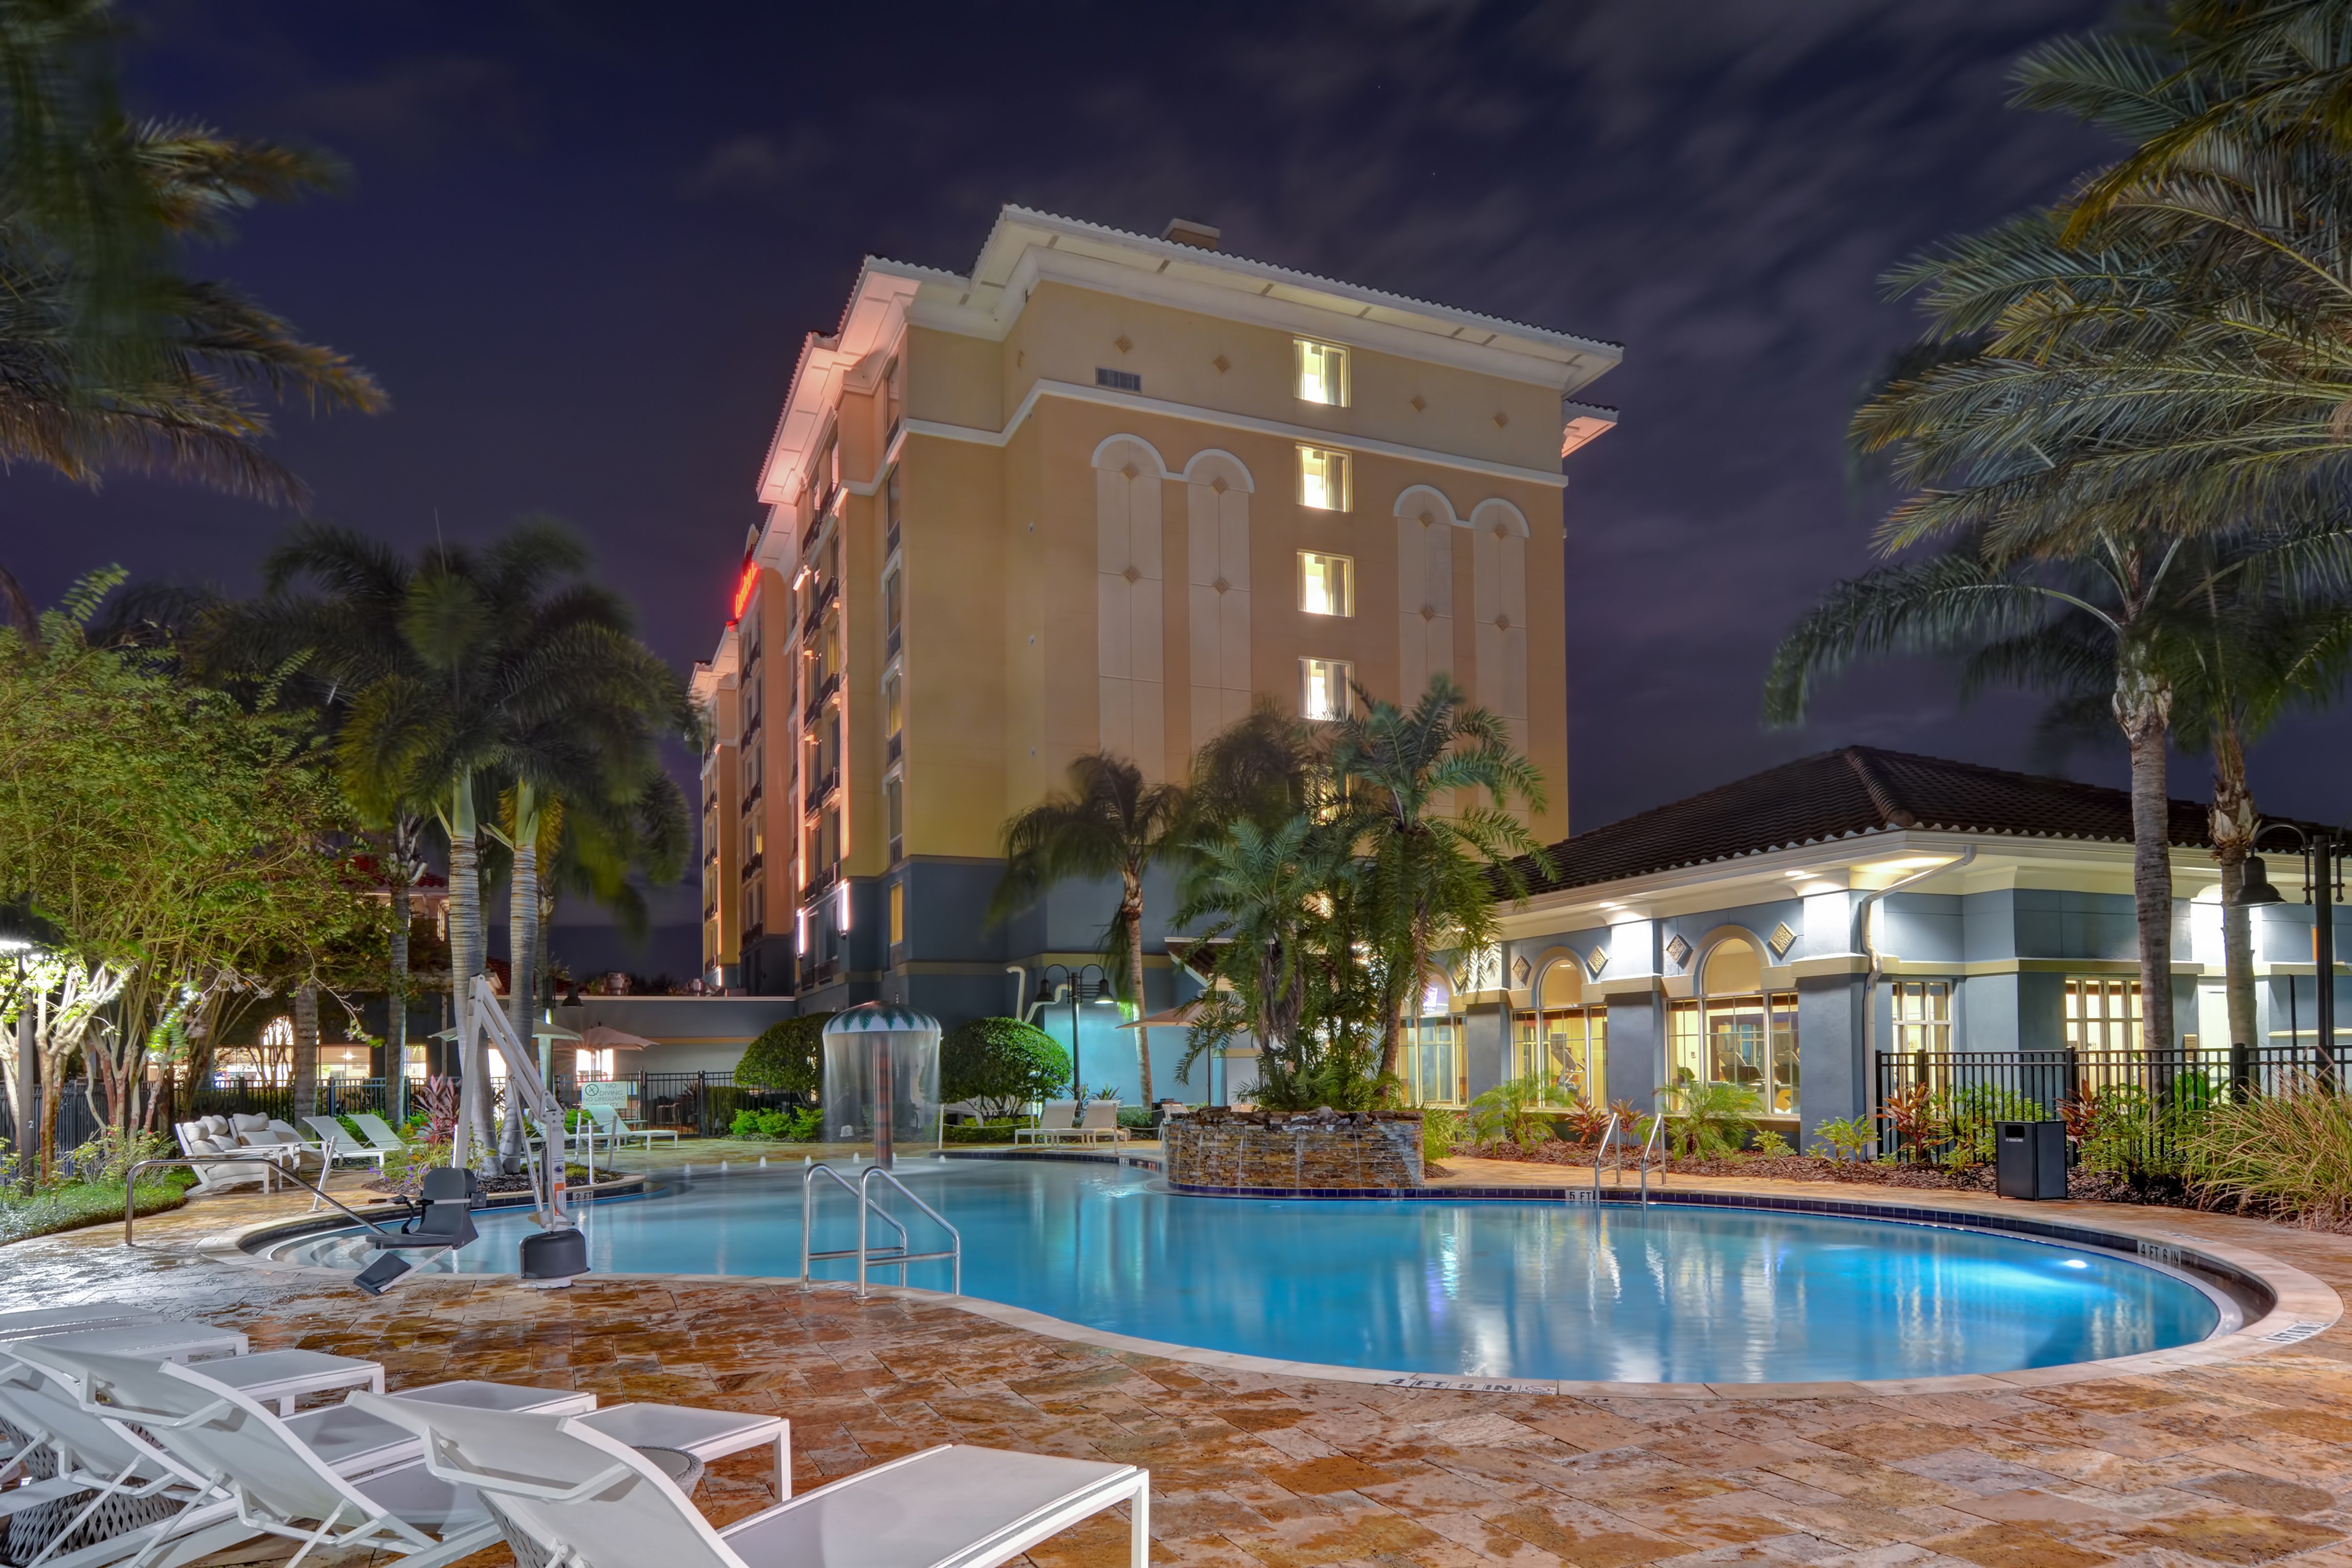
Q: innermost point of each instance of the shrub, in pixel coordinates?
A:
(1440, 1131)
(1583, 1122)
(106, 1158)
(2289, 1152)
(788, 1055)
(1511, 1110)
(1001, 1064)
(1846, 1137)
(799, 1125)
(1710, 1120)
(1970, 1115)
(1772, 1145)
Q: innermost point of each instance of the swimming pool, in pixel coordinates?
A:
(1664, 1294)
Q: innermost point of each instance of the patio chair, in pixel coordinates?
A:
(574, 1496)
(213, 1175)
(379, 1134)
(79, 1480)
(335, 1143)
(35, 1322)
(352, 1443)
(1055, 1124)
(1100, 1122)
(268, 1480)
(611, 1123)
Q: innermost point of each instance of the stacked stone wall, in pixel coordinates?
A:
(1381, 1149)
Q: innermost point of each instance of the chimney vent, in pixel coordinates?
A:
(1185, 231)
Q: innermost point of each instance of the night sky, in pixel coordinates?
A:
(581, 244)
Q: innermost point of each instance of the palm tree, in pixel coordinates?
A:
(1108, 823)
(1431, 874)
(110, 359)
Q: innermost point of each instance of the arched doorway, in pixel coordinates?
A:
(1563, 1041)
(1734, 1031)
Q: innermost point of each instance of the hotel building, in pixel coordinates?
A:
(1100, 492)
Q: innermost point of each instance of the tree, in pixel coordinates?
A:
(177, 842)
(1431, 874)
(1001, 1064)
(1108, 823)
(514, 669)
(109, 356)
(789, 1054)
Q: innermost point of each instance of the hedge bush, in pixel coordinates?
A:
(788, 1055)
(1001, 1064)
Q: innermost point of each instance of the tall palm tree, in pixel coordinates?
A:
(1108, 823)
(1433, 864)
(109, 356)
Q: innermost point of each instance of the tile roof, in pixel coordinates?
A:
(1843, 794)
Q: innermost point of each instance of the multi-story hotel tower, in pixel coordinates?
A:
(1100, 492)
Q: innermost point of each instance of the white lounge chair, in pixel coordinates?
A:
(47, 1392)
(37, 1321)
(214, 1173)
(335, 1143)
(574, 1498)
(1054, 1123)
(611, 1123)
(1099, 1123)
(379, 1134)
(265, 1479)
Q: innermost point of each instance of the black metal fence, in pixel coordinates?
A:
(2134, 1104)
(704, 1102)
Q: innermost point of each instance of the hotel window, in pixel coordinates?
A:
(897, 913)
(1432, 1062)
(1322, 479)
(753, 690)
(1323, 687)
(1327, 584)
(2102, 1015)
(894, 811)
(894, 708)
(893, 602)
(1923, 1016)
(1563, 1042)
(1735, 1032)
(892, 499)
(1322, 373)
(893, 396)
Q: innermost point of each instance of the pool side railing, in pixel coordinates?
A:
(867, 1256)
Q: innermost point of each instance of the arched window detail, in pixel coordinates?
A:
(1128, 588)
(1563, 1041)
(1425, 523)
(1734, 1031)
(1498, 564)
(1217, 490)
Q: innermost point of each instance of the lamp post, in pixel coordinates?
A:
(21, 935)
(1073, 984)
(2323, 863)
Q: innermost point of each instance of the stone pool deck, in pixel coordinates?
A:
(2244, 1462)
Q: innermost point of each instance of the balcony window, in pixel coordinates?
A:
(1327, 584)
(1323, 687)
(1322, 373)
(1322, 479)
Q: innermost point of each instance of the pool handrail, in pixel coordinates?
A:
(867, 1256)
(1657, 1125)
(1608, 1136)
(130, 1189)
(953, 1255)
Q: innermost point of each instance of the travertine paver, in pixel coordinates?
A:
(2244, 1462)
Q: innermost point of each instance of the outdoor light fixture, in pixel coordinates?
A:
(2256, 889)
(22, 931)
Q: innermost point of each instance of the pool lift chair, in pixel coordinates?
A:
(558, 1252)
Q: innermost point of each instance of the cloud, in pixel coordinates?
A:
(758, 166)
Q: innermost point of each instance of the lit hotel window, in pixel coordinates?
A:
(1326, 584)
(897, 913)
(1322, 479)
(1323, 687)
(1322, 373)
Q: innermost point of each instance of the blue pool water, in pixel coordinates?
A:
(1496, 1289)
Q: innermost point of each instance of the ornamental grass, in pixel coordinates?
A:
(2287, 1155)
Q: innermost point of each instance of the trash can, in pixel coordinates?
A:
(2030, 1159)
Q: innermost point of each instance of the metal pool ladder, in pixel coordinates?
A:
(1613, 1139)
(868, 1255)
